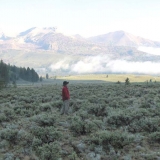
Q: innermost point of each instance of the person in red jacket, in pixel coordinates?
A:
(65, 98)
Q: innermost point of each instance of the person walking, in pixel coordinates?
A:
(65, 98)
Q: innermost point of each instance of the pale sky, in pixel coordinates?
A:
(84, 17)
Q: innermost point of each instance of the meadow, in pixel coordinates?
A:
(112, 77)
(107, 121)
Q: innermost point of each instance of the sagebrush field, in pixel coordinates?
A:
(107, 121)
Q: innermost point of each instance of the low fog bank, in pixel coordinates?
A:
(150, 50)
(104, 64)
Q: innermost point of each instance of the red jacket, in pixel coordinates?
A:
(65, 93)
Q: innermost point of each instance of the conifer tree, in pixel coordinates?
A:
(47, 76)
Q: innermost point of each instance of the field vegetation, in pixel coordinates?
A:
(107, 121)
(112, 77)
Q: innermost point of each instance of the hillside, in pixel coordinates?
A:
(122, 38)
(50, 39)
(46, 50)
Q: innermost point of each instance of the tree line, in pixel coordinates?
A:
(12, 73)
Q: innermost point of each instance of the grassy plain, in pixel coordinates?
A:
(107, 121)
(112, 77)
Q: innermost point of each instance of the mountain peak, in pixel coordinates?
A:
(35, 31)
(3, 36)
(122, 38)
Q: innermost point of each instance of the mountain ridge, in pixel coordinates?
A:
(122, 38)
(45, 38)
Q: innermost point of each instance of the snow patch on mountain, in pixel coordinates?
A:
(36, 31)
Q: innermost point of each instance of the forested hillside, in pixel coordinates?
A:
(9, 73)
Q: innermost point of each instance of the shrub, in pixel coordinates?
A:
(45, 120)
(97, 110)
(126, 116)
(82, 127)
(36, 143)
(155, 136)
(145, 125)
(73, 156)
(118, 82)
(45, 107)
(26, 99)
(9, 156)
(2, 117)
(117, 139)
(49, 151)
(24, 138)
(114, 104)
(47, 134)
(119, 118)
(127, 82)
(57, 104)
(9, 135)
(78, 104)
(9, 113)
(93, 99)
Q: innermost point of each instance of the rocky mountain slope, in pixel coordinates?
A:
(49, 39)
(121, 38)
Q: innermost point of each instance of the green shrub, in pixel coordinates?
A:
(9, 113)
(26, 99)
(45, 120)
(9, 135)
(3, 117)
(126, 116)
(45, 107)
(150, 156)
(36, 143)
(114, 104)
(73, 156)
(24, 138)
(82, 127)
(155, 136)
(49, 151)
(9, 156)
(93, 99)
(47, 134)
(145, 125)
(117, 139)
(127, 81)
(97, 110)
(57, 104)
(78, 104)
(119, 118)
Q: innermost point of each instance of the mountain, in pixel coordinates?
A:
(122, 38)
(49, 39)
(3, 36)
(46, 50)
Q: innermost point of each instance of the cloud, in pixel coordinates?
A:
(90, 64)
(150, 50)
(60, 65)
(122, 66)
(104, 64)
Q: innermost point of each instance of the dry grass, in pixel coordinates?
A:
(112, 77)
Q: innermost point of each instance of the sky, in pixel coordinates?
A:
(85, 17)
